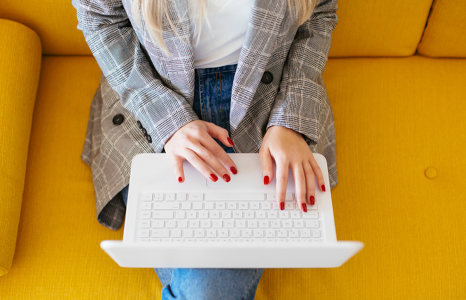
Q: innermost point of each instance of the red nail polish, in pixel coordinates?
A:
(266, 180)
(180, 179)
(323, 187)
(312, 200)
(213, 177)
(230, 141)
(304, 207)
(226, 177)
(233, 170)
(282, 205)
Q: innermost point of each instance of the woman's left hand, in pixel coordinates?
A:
(289, 150)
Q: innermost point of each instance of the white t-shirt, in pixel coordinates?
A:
(222, 45)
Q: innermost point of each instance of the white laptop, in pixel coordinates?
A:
(205, 224)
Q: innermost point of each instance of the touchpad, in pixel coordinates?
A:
(249, 174)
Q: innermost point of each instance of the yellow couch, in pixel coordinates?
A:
(397, 84)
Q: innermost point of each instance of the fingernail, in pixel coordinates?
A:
(233, 170)
(230, 141)
(213, 177)
(282, 205)
(180, 179)
(266, 180)
(312, 200)
(323, 187)
(226, 177)
(304, 207)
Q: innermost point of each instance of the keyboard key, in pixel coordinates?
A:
(145, 214)
(199, 233)
(162, 215)
(287, 224)
(158, 224)
(289, 197)
(311, 215)
(191, 215)
(217, 224)
(246, 233)
(158, 197)
(234, 196)
(312, 207)
(275, 224)
(266, 205)
(176, 233)
(181, 197)
(258, 233)
(196, 196)
(209, 205)
(254, 205)
(260, 215)
(205, 224)
(160, 233)
(272, 215)
(211, 233)
(270, 233)
(197, 205)
(235, 233)
(170, 196)
(186, 205)
(249, 214)
(305, 233)
(298, 224)
(146, 205)
(214, 214)
(315, 233)
(289, 205)
(275, 206)
(252, 224)
(183, 224)
(293, 233)
(166, 205)
(170, 224)
(147, 197)
(272, 197)
(194, 224)
(240, 223)
(237, 214)
(263, 224)
(229, 224)
(188, 233)
(243, 205)
(282, 233)
(203, 214)
(223, 233)
(231, 205)
(312, 224)
(144, 233)
(144, 224)
(220, 206)
(180, 215)
(296, 215)
(226, 214)
(283, 215)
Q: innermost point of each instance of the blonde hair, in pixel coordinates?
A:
(152, 12)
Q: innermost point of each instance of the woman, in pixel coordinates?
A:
(252, 81)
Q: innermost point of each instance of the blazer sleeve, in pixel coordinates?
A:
(129, 71)
(298, 103)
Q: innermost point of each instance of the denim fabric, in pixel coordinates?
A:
(212, 104)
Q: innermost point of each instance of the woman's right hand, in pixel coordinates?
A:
(194, 142)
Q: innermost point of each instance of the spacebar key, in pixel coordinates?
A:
(234, 196)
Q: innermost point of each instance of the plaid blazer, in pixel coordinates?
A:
(140, 83)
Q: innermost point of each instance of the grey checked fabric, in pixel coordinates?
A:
(143, 84)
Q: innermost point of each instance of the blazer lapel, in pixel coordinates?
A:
(265, 20)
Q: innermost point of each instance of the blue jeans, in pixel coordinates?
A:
(212, 95)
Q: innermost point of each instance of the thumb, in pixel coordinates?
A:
(267, 165)
(219, 133)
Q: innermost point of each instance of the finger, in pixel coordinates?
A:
(219, 133)
(210, 159)
(317, 173)
(178, 164)
(310, 183)
(211, 145)
(267, 165)
(198, 164)
(300, 185)
(281, 180)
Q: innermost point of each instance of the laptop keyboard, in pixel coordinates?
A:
(226, 218)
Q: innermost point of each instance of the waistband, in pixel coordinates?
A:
(220, 69)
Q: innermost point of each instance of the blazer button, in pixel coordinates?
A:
(118, 119)
(139, 125)
(144, 132)
(149, 138)
(267, 77)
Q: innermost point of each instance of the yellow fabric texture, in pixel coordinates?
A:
(445, 34)
(20, 59)
(379, 28)
(365, 28)
(54, 21)
(400, 126)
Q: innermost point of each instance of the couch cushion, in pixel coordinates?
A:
(405, 202)
(365, 28)
(20, 59)
(379, 28)
(445, 34)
